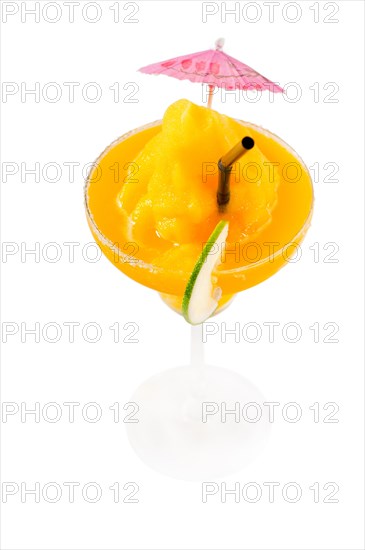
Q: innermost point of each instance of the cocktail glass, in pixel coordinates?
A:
(171, 435)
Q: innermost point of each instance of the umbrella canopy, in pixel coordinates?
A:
(215, 68)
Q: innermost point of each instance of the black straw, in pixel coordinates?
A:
(225, 167)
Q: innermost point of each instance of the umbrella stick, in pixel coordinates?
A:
(210, 96)
(225, 168)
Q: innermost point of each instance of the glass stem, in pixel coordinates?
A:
(196, 346)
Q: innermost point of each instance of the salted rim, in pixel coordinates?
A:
(137, 262)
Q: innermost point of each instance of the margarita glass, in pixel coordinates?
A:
(245, 264)
(183, 445)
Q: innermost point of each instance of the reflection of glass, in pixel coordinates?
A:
(258, 260)
(180, 432)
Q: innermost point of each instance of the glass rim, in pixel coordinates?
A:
(152, 268)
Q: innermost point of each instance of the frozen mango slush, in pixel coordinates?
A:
(151, 202)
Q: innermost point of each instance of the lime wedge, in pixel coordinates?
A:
(201, 298)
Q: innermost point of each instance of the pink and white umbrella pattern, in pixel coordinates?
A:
(215, 68)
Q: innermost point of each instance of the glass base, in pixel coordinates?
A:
(171, 435)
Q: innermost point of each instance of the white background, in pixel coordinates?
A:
(170, 513)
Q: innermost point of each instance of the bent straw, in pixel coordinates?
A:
(225, 167)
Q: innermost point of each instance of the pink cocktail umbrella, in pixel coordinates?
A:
(215, 68)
